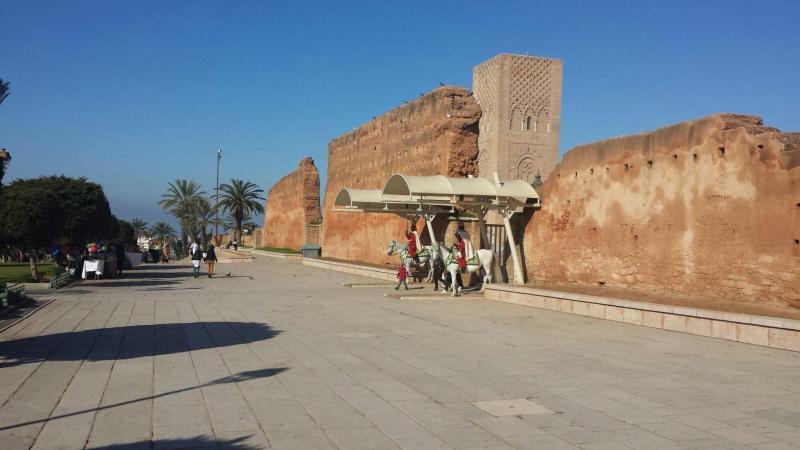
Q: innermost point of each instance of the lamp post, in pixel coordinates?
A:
(216, 201)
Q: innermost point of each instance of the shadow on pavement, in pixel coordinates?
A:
(239, 377)
(195, 442)
(134, 341)
(126, 283)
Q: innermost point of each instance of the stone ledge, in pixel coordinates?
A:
(751, 329)
(295, 256)
(353, 269)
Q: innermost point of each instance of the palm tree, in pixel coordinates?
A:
(240, 198)
(162, 231)
(139, 228)
(179, 201)
(203, 215)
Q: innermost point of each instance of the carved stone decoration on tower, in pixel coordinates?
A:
(520, 99)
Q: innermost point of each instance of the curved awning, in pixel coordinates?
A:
(353, 198)
(437, 193)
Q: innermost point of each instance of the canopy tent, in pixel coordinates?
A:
(429, 195)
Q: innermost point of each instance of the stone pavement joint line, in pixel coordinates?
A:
(292, 359)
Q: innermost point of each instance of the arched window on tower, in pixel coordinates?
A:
(528, 123)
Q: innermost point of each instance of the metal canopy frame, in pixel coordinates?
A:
(428, 196)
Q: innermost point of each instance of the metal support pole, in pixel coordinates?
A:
(519, 278)
(216, 201)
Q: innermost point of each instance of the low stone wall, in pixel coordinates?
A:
(707, 208)
(750, 329)
(353, 269)
(278, 255)
(292, 204)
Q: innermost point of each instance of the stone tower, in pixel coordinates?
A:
(520, 99)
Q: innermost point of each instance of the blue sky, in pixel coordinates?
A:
(135, 94)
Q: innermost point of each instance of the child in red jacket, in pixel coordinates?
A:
(401, 275)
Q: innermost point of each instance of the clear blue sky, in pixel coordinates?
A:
(134, 94)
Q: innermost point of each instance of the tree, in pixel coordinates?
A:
(162, 231)
(240, 198)
(203, 215)
(4, 91)
(179, 201)
(40, 212)
(139, 228)
(126, 232)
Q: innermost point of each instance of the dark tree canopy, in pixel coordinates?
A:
(126, 232)
(55, 210)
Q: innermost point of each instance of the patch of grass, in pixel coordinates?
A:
(21, 272)
(287, 251)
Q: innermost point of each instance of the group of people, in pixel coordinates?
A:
(463, 248)
(208, 255)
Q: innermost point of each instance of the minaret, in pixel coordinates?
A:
(520, 100)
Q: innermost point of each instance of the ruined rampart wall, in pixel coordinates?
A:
(434, 134)
(709, 208)
(292, 203)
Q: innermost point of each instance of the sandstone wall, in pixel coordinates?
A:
(709, 208)
(434, 134)
(292, 203)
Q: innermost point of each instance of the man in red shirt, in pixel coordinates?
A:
(462, 253)
(412, 247)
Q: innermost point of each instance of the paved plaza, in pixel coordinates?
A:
(292, 359)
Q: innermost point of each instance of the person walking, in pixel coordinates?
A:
(119, 251)
(197, 256)
(401, 276)
(438, 271)
(211, 258)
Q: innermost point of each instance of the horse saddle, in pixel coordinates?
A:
(474, 261)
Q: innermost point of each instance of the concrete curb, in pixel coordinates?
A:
(354, 269)
(765, 331)
(296, 256)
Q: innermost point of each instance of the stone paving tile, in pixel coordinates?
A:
(291, 359)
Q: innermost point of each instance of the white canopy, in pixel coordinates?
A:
(437, 193)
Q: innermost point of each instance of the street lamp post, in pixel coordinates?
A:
(216, 201)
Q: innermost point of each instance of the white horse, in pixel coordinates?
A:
(484, 259)
(407, 261)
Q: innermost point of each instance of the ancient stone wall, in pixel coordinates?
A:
(432, 135)
(708, 208)
(292, 204)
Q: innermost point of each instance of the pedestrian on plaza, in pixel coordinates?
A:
(401, 276)
(197, 255)
(235, 245)
(119, 251)
(448, 281)
(211, 258)
(438, 271)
